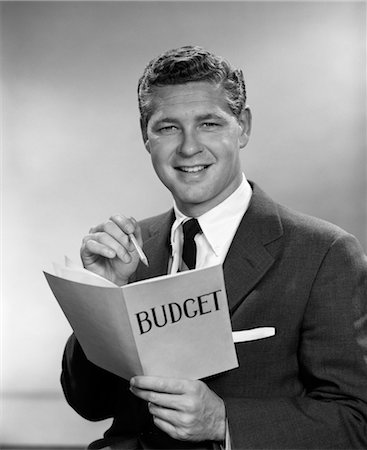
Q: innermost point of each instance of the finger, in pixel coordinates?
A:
(91, 248)
(125, 224)
(126, 227)
(106, 245)
(129, 226)
(114, 230)
(166, 427)
(171, 401)
(175, 417)
(180, 433)
(160, 384)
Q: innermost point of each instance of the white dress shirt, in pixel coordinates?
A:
(218, 225)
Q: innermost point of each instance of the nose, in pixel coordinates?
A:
(190, 144)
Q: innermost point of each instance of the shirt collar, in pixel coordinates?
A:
(221, 221)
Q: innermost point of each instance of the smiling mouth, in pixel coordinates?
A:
(192, 169)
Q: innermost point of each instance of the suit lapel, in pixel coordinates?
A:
(247, 262)
(250, 255)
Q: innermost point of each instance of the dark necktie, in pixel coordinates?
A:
(190, 229)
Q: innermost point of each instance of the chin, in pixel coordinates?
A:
(193, 198)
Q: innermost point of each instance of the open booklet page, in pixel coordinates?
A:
(174, 325)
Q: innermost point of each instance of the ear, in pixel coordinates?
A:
(144, 134)
(245, 123)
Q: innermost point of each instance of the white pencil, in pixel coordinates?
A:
(141, 254)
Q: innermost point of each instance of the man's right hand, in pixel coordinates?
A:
(108, 251)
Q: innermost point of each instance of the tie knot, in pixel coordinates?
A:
(191, 228)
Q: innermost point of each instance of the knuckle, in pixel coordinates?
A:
(116, 217)
(186, 420)
(129, 228)
(161, 385)
(99, 237)
(152, 397)
(182, 434)
(190, 404)
(182, 386)
(108, 227)
(123, 222)
(105, 238)
(124, 240)
(123, 254)
(89, 244)
(118, 229)
(156, 422)
(197, 387)
(151, 407)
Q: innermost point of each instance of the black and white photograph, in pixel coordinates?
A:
(183, 225)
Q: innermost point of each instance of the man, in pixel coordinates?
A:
(305, 387)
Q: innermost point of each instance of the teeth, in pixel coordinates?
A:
(192, 169)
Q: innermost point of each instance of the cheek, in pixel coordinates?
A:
(160, 163)
(223, 141)
(156, 161)
(229, 152)
(160, 148)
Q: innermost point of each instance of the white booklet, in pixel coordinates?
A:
(173, 326)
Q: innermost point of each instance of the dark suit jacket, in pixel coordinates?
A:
(305, 387)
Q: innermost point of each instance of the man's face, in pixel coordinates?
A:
(194, 142)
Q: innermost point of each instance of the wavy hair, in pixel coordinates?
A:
(187, 64)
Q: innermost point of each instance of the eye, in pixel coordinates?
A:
(210, 125)
(169, 129)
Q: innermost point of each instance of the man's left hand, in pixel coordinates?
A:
(186, 410)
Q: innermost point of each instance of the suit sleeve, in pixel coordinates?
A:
(90, 390)
(332, 412)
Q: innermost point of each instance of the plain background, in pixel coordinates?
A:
(73, 155)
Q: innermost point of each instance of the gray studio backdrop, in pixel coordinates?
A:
(73, 155)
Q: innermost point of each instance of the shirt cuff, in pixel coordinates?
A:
(226, 443)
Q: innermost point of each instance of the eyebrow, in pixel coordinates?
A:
(200, 118)
(166, 119)
(209, 116)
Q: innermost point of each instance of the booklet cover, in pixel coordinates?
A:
(173, 326)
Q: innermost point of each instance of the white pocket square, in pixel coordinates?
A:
(253, 334)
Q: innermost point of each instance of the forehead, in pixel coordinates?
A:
(198, 96)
